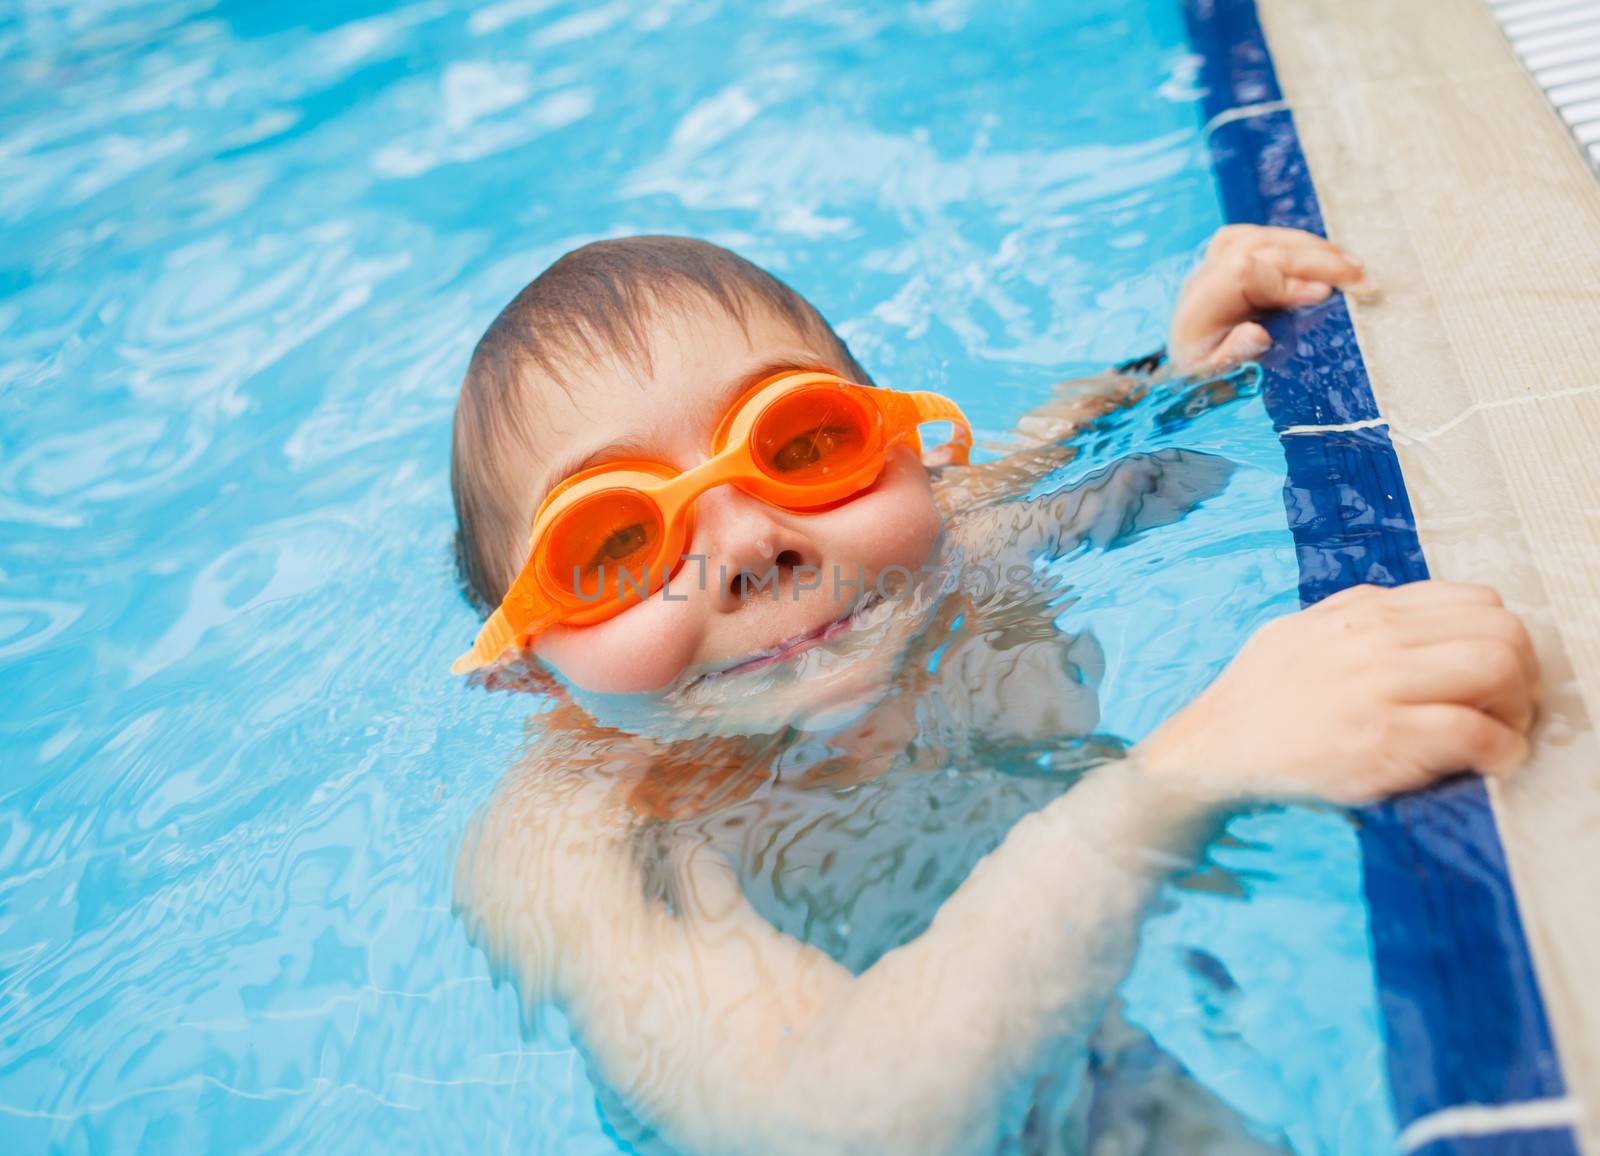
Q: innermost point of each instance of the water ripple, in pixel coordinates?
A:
(25, 625)
(244, 252)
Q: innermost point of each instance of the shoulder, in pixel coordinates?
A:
(539, 855)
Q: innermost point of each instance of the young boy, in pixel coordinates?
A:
(711, 717)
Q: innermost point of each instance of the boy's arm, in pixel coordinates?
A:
(1247, 270)
(730, 1036)
(1130, 495)
(1036, 446)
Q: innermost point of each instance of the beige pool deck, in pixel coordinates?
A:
(1438, 159)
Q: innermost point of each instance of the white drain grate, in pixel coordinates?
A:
(1559, 43)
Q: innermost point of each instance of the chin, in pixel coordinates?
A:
(817, 689)
(818, 703)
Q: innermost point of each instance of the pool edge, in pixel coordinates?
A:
(1428, 914)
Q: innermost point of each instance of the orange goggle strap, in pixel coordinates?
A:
(499, 634)
(909, 410)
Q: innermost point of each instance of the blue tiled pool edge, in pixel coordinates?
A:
(1463, 1019)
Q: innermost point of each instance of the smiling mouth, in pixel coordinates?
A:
(790, 647)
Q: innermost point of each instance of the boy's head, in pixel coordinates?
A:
(635, 348)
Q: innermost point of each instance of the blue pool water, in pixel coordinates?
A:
(245, 249)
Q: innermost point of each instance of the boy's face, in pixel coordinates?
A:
(700, 361)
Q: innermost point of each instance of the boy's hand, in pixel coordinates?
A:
(1369, 693)
(1249, 269)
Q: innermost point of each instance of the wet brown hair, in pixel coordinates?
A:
(595, 303)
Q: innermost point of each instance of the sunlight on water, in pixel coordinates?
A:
(245, 250)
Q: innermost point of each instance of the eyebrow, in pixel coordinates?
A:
(574, 463)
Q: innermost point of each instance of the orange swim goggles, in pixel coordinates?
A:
(800, 440)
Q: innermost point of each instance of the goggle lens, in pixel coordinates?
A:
(601, 535)
(813, 435)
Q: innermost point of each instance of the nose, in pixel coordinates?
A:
(752, 550)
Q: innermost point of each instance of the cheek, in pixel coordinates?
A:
(896, 524)
(640, 650)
